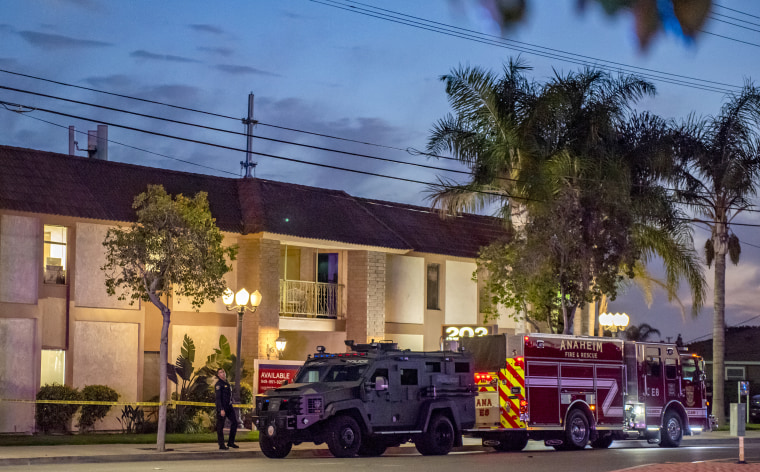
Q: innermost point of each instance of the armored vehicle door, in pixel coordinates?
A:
(378, 396)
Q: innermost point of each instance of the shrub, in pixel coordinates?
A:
(55, 416)
(92, 413)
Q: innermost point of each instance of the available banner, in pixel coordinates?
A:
(273, 373)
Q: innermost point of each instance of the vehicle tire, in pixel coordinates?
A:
(273, 448)
(672, 430)
(372, 447)
(438, 439)
(343, 436)
(602, 442)
(576, 430)
(512, 442)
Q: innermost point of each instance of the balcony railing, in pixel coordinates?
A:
(302, 299)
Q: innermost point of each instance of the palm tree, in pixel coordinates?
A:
(721, 170)
(641, 332)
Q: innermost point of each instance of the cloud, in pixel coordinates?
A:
(7, 61)
(111, 82)
(235, 69)
(171, 93)
(57, 41)
(207, 29)
(143, 54)
(217, 51)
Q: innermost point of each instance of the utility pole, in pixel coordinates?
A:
(249, 123)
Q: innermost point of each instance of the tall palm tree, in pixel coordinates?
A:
(484, 134)
(721, 170)
(641, 332)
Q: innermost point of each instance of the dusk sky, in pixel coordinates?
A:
(325, 68)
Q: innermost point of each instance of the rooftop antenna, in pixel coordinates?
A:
(249, 123)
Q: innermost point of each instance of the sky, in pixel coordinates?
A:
(324, 68)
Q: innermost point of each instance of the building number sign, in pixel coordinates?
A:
(454, 332)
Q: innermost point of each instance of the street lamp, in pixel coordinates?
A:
(613, 322)
(241, 300)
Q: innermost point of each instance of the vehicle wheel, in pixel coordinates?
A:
(438, 439)
(672, 432)
(343, 437)
(512, 442)
(372, 447)
(602, 442)
(576, 430)
(273, 448)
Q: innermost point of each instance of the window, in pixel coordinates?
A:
(54, 254)
(671, 369)
(433, 277)
(689, 369)
(408, 376)
(461, 367)
(433, 367)
(653, 367)
(735, 373)
(53, 367)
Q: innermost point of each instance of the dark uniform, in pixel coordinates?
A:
(224, 403)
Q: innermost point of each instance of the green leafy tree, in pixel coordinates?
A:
(578, 172)
(174, 249)
(190, 383)
(720, 175)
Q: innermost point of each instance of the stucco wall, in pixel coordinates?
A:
(405, 289)
(90, 281)
(20, 249)
(461, 295)
(107, 354)
(205, 339)
(18, 373)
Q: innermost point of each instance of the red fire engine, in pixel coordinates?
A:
(569, 391)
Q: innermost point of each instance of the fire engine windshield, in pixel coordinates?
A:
(689, 368)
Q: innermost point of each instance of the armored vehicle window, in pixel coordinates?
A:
(461, 367)
(670, 369)
(688, 368)
(345, 373)
(379, 373)
(408, 376)
(434, 367)
(310, 374)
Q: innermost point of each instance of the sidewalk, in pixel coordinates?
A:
(37, 455)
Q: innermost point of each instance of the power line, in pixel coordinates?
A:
(735, 11)
(713, 15)
(528, 48)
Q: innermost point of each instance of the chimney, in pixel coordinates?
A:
(97, 143)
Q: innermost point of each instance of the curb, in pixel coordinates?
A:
(169, 455)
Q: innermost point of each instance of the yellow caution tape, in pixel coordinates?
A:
(171, 403)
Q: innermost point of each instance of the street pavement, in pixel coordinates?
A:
(104, 453)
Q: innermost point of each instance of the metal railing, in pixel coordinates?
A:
(301, 299)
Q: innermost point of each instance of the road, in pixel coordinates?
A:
(534, 458)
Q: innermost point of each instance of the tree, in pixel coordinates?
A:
(720, 171)
(583, 173)
(682, 17)
(641, 332)
(174, 248)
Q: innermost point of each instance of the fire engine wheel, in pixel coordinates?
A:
(576, 430)
(672, 432)
(343, 437)
(438, 439)
(512, 442)
(602, 442)
(273, 448)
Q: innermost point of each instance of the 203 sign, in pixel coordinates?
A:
(454, 332)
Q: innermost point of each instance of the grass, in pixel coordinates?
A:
(115, 438)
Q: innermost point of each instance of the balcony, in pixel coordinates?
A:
(300, 299)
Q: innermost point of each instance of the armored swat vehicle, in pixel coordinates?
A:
(368, 399)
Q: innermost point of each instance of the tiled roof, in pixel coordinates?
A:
(50, 183)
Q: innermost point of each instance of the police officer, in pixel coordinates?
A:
(224, 410)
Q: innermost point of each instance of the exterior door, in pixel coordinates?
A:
(655, 384)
